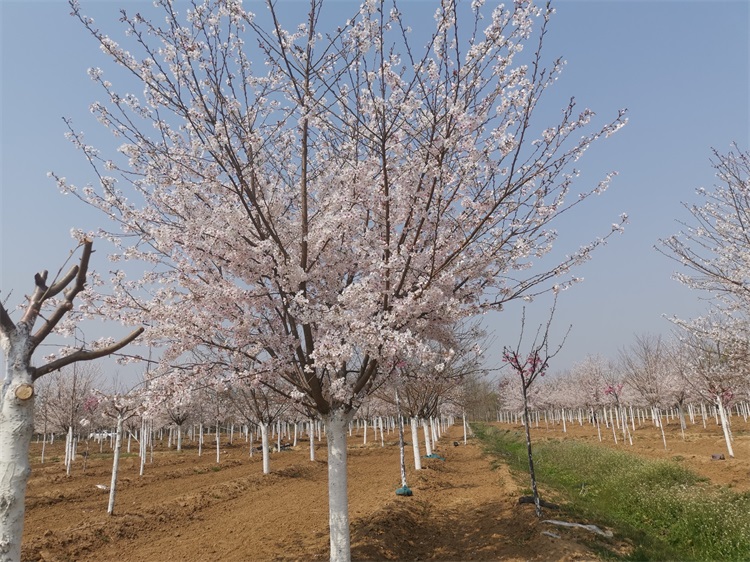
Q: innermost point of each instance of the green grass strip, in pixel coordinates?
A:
(667, 511)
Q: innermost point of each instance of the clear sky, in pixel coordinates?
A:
(680, 67)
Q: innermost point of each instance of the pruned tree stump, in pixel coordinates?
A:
(24, 391)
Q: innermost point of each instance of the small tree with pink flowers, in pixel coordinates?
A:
(529, 367)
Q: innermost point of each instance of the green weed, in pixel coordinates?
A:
(669, 512)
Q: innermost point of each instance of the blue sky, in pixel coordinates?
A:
(680, 67)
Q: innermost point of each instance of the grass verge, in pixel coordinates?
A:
(665, 510)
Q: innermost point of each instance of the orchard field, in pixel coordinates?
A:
(694, 451)
(187, 507)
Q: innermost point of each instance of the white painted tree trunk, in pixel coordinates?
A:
(179, 438)
(143, 448)
(200, 440)
(725, 426)
(265, 447)
(16, 430)
(657, 412)
(115, 466)
(311, 435)
(464, 418)
(218, 443)
(402, 459)
(427, 440)
(415, 444)
(68, 450)
(338, 496)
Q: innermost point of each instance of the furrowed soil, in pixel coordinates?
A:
(189, 508)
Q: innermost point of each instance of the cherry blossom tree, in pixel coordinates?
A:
(53, 305)
(173, 403)
(714, 248)
(719, 360)
(713, 253)
(120, 407)
(258, 405)
(67, 391)
(588, 384)
(317, 202)
(645, 370)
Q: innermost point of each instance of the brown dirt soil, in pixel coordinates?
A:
(188, 508)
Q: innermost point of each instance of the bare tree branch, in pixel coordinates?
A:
(85, 355)
(43, 293)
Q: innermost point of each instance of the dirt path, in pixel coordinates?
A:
(186, 508)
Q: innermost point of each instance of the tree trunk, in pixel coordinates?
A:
(69, 450)
(143, 448)
(415, 444)
(725, 426)
(661, 427)
(115, 466)
(311, 435)
(402, 457)
(200, 440)
(532, 474)
(16, 430)
(264, 445)
(427, 441)
(338, 497)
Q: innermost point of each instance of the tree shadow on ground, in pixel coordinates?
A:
(415, 529)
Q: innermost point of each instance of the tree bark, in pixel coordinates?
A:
(16, 430)
(725, 426)
(264, 445)
(415, 444)
(311, 435)
(338, 496)
(532, 474)
(115, 466)
(427, 440)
